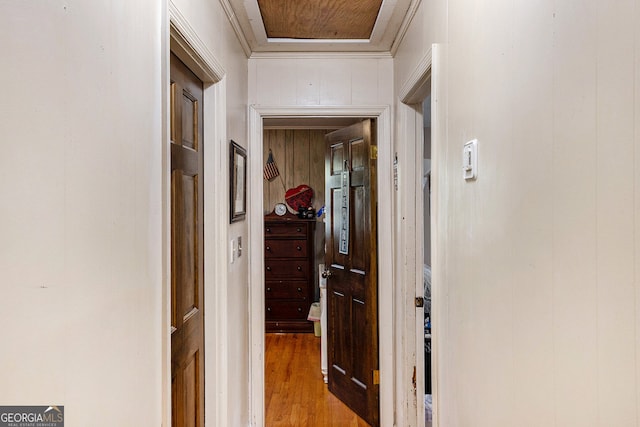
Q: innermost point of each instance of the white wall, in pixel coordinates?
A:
(81, 264)
(320, 80)
(540, 298)
(80, 218)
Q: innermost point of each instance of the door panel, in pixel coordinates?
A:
(187, 262)
(352, 298)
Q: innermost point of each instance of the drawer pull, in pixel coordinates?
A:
(268, 289)
(268, 248)
(299, 268)
(268, 308)
(299, 248)
(268, 230)
(299, 310)
(268, 268)
(299, 289)
(299, 229)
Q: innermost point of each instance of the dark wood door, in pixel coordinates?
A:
(352, 287)
(187, 302)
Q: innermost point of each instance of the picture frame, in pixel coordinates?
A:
(237, 182)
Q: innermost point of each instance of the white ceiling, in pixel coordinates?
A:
(388, 27)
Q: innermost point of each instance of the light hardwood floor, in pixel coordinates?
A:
(295, 394)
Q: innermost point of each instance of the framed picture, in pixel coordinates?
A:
(238, 182)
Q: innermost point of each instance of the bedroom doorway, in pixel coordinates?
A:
(258, 116)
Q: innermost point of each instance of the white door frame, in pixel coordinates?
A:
(256, 254)
(426, 78)
(183, 41)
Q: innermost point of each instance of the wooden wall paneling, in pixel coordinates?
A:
(316, 178)
(275, 185)
(276, 139)
(266, 187)
(289, 159)
(299, 154)
(301, 157)
(316, 166)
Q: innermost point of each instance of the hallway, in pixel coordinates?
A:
(295, 394)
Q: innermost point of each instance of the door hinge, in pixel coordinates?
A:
(374, 152)
(376, 376)
(419, 302)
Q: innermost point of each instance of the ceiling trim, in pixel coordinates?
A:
(404, 27)
(320, 55)
(382, 20)
(237, 28)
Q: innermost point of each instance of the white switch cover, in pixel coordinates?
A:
(470, 160)
(232, 251)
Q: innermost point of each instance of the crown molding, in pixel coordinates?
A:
(404, 27)
(235, 24)
(321, 55)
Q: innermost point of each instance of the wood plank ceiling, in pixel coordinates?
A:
(319, 19)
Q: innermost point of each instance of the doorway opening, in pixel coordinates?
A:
(185, 44)
(258, 117)
(421, 127)
(319, 206)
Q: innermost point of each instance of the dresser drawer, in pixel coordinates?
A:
(285, 230)
(285, 248)
(290, 268)
(286, 290)
(287, 310)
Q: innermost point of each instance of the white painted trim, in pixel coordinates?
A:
(404, 27)
(185, 43)
(406, 258)
(382, 20)
(217, 378)
(321, 55)
(318, 41)
(255, 20)
(439, 219)
(237, 28)
(385, 234)
(415, 89)
(191, 50)
(412, 94)
(165, 181)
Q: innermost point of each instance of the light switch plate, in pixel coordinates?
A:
(232, 251)
(470, 160)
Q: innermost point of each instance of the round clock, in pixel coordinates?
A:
(280, 209)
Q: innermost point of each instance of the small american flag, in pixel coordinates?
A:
(270, 169)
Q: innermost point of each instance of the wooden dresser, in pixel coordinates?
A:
(289, 272)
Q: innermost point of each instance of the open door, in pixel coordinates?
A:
(351, 260)
(187, 247)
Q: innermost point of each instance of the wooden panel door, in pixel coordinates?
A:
(187, 327)
(352, 287)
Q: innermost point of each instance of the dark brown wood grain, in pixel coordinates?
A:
(352, 297)
(289, 273)
(187, 262)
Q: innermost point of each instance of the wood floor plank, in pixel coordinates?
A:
(295, 394)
